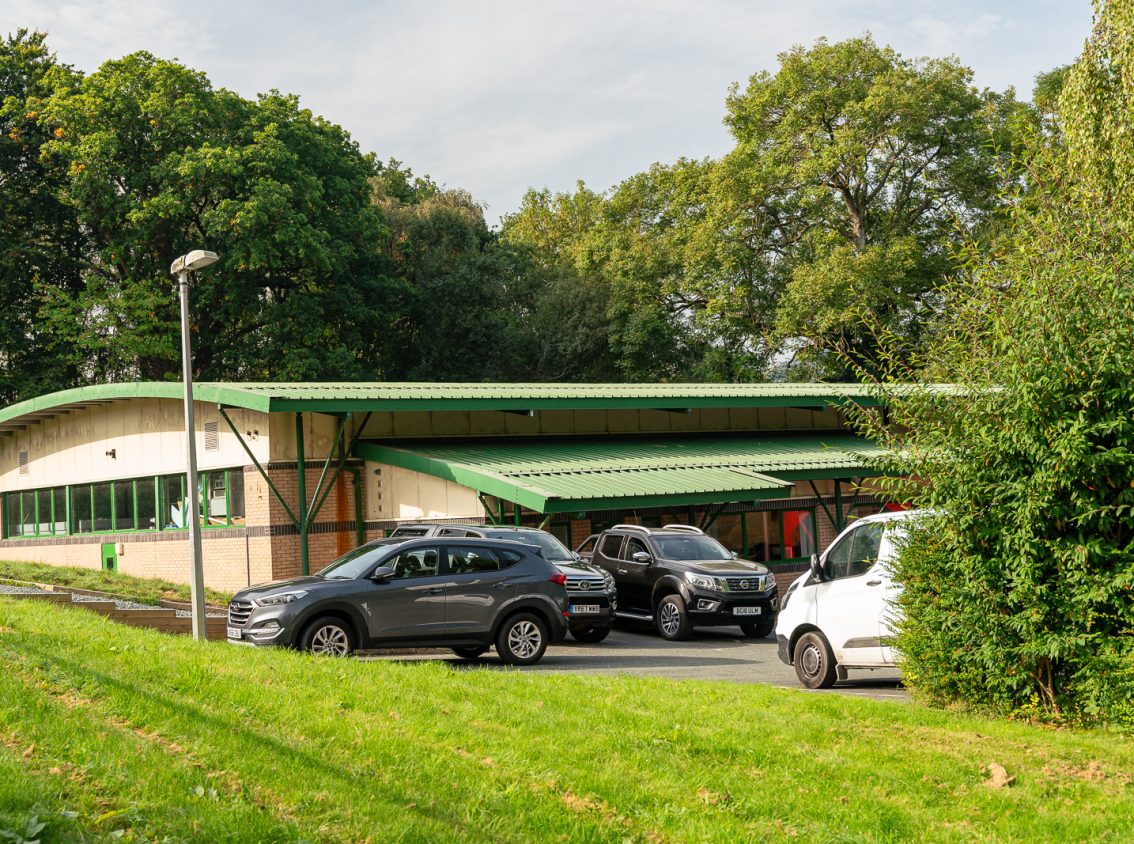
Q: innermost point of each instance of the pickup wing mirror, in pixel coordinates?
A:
(817, 568)
(381, 574)
(735, 555)
(641, 557)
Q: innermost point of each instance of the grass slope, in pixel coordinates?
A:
(108, 731)
(141, 589)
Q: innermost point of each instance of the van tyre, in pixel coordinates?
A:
(328, 636)
(471, 651)
(814, 662)
(522, 639)
(760, 630)
(590, 634)
(672, 619)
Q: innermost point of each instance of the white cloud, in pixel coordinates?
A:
(497, 96)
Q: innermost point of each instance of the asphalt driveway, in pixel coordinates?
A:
(712, 654)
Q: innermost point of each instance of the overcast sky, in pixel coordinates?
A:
(495, 97)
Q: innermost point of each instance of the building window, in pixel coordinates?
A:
(124, 506)
(769, 536)
(81, 514)
(137, 504)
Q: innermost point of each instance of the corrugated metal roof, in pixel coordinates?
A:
(569, 475)
(395, 396)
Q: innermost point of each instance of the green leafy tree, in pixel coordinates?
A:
(1018, 586)
(856, 165)
(158, 162)
(40, 239)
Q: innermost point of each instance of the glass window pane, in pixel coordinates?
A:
(101, 518)
(81, 509)
(216, 512)
(726, 530)
(124, 505)
(236, 496)
(27, 502)
(147, 507)
(468, 559)
(799, 534)
(12, 503)
(60, 495)
(420, 562)
(763, 537)
(172, 502)
(43, 498)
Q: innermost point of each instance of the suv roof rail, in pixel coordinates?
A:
(642, 528)
(689, 528)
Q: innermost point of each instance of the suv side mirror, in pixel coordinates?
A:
(381, 574)
(817, 568)
(641, 557)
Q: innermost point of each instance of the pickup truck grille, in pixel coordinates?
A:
(756, 583)
(238, 612)
(592, 583)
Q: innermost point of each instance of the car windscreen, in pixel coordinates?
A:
(353, 563)
(553, 550)
(691, 548)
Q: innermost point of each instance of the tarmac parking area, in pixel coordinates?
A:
(712, 654)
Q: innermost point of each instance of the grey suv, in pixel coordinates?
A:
(591, 590)
(466, 594)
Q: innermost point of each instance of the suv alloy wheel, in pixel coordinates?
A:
(522, 639)
(327, 636)
(672, 619)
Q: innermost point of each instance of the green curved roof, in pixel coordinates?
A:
(322, 397)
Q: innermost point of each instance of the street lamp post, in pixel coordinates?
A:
(195, 260)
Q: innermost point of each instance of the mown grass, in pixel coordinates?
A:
(108, 731)
(144, 590)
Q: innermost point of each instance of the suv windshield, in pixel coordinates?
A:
(353, 563)
(554, 551)
(691, 548)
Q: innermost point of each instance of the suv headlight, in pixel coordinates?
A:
(608, 580)
(282, 598)
(703, 581)
(769, 582)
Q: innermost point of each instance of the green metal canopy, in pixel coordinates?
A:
(555, 476)
(345, 397)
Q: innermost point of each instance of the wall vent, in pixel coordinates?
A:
(212, 436)
(23, 462)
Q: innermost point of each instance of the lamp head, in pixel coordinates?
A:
(198, 259)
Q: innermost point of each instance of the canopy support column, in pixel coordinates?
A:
(301, 484)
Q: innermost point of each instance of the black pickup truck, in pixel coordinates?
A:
(678, 578)
(590, 590)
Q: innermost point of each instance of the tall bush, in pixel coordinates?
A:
(1018, 588)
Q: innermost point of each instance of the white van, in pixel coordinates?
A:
(839, 615)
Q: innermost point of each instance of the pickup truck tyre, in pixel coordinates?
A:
(522, 639)
(470, 651)
(327, 636)
(672, 619)
(814, 662)
(760, 630)
(590, 634)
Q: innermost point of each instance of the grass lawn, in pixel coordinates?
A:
(141, 589)
(107, 730)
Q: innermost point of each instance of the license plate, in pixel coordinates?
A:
(585, 609)
(235, 632)
(746, 610)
